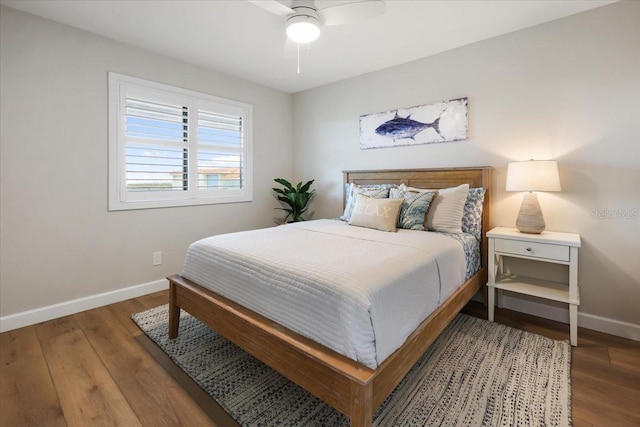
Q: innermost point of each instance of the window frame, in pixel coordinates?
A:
(120, 86)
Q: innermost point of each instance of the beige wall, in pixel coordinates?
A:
(566, 90)
(59, 243)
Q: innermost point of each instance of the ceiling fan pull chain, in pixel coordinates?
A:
(298, 44)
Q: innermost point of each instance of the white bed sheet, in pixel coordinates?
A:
(358, 291)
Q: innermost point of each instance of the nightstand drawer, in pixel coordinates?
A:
(531, 249)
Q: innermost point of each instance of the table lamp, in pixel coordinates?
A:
(533, 175)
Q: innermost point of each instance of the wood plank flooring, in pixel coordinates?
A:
(96, 368)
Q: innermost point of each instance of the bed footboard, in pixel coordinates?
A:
(348, 386)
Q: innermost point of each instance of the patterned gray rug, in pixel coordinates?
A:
(476, 374)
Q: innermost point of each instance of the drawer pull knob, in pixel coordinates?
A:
(528, 249)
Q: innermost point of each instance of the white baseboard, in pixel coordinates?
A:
(585, 320)
(31, 317)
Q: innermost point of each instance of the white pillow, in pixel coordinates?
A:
(381, 214)
(445, 212)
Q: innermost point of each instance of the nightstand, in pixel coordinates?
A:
(549, 246)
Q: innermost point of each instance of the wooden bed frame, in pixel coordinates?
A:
(348, 386)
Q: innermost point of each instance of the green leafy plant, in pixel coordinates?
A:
(296, 198)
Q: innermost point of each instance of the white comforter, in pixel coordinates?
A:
(358, 291)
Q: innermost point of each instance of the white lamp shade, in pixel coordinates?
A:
(303, 28)
(534, 175)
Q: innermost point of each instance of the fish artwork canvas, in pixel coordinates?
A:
(444, 121)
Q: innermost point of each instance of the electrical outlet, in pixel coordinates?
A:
(157, 258)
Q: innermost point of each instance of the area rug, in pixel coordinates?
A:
(476, 373)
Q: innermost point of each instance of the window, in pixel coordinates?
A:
(175, 147)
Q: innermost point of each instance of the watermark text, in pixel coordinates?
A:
(614, 213)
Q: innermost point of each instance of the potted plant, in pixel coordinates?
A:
(296, 198)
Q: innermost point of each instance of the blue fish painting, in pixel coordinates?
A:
(405, 127)
(444, 121)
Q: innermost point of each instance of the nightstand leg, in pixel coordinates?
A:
(500, 268)
(491, 291)
(492, 302)
(573, 324)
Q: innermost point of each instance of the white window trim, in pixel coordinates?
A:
(117, 172)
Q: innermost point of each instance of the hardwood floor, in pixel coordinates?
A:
(96, 368)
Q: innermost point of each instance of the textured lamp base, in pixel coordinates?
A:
(530, 219)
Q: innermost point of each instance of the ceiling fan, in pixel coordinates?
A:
(303, 18)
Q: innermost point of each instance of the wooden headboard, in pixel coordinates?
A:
(434, 179)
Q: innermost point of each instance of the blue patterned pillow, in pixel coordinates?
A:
(414, 207)
(472, 214)
(377, 191)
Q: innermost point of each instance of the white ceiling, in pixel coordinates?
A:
(244, 40)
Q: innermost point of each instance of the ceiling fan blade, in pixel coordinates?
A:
(273, 6)
(353, 11)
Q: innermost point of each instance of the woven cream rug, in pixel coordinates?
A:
(476, 374)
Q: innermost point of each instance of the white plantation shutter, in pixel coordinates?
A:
(173, 147)
(220, 151)
(157, 146)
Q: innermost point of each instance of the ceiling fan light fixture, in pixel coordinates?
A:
(303, 28)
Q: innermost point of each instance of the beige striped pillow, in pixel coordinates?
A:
(445, 213)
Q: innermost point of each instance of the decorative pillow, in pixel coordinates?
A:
(414, 207)
(377, 191)
(381, 214)
(472, 215)
(446, 211)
